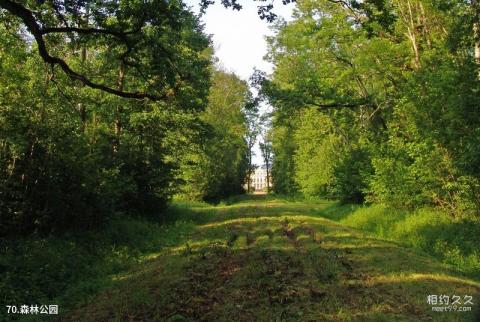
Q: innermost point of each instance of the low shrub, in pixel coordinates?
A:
(454, 240)
(66, 270)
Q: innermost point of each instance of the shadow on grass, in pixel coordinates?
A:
(337, 212)
(251, 206)
(186, 267)
(339, 278)
(454, 242)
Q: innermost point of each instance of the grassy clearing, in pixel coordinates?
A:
(248, 258)
(268, 259)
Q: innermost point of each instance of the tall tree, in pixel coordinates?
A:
(216, 167)
(251, 137)
(266, 146)
(57, 167)
(139, 35)
(382, 74)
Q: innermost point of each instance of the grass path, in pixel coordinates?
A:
(263, 259)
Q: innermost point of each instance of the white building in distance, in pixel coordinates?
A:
(258, 179)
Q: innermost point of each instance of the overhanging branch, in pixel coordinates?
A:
(338, 105)
(33, 27)
(120, 35)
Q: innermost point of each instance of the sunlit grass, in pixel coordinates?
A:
(411, 277)
(453, 240)
(272, 259)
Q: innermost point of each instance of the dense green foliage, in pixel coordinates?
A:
(452, 240)
(378, 101)
(104, 127)
(216, 167)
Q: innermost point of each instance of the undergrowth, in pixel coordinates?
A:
(66, 270)
(454, 240)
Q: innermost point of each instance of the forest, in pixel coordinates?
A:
(121, 123)
(378, 103)
(124, 144)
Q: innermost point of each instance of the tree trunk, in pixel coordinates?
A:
(83, 58)
(413, 36)
(424, 24)
(249, 173)
(476, 29)
(407, 16)
(268, 176)
(118, 121)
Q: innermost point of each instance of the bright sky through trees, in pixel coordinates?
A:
(239, 39)
(239, 36)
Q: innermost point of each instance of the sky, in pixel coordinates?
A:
(239, 38)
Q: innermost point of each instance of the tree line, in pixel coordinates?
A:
(111, 108)
(378, 102)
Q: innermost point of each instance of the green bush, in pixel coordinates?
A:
(317, 155)
(66, 270)
(454, 240)
(351, 177)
